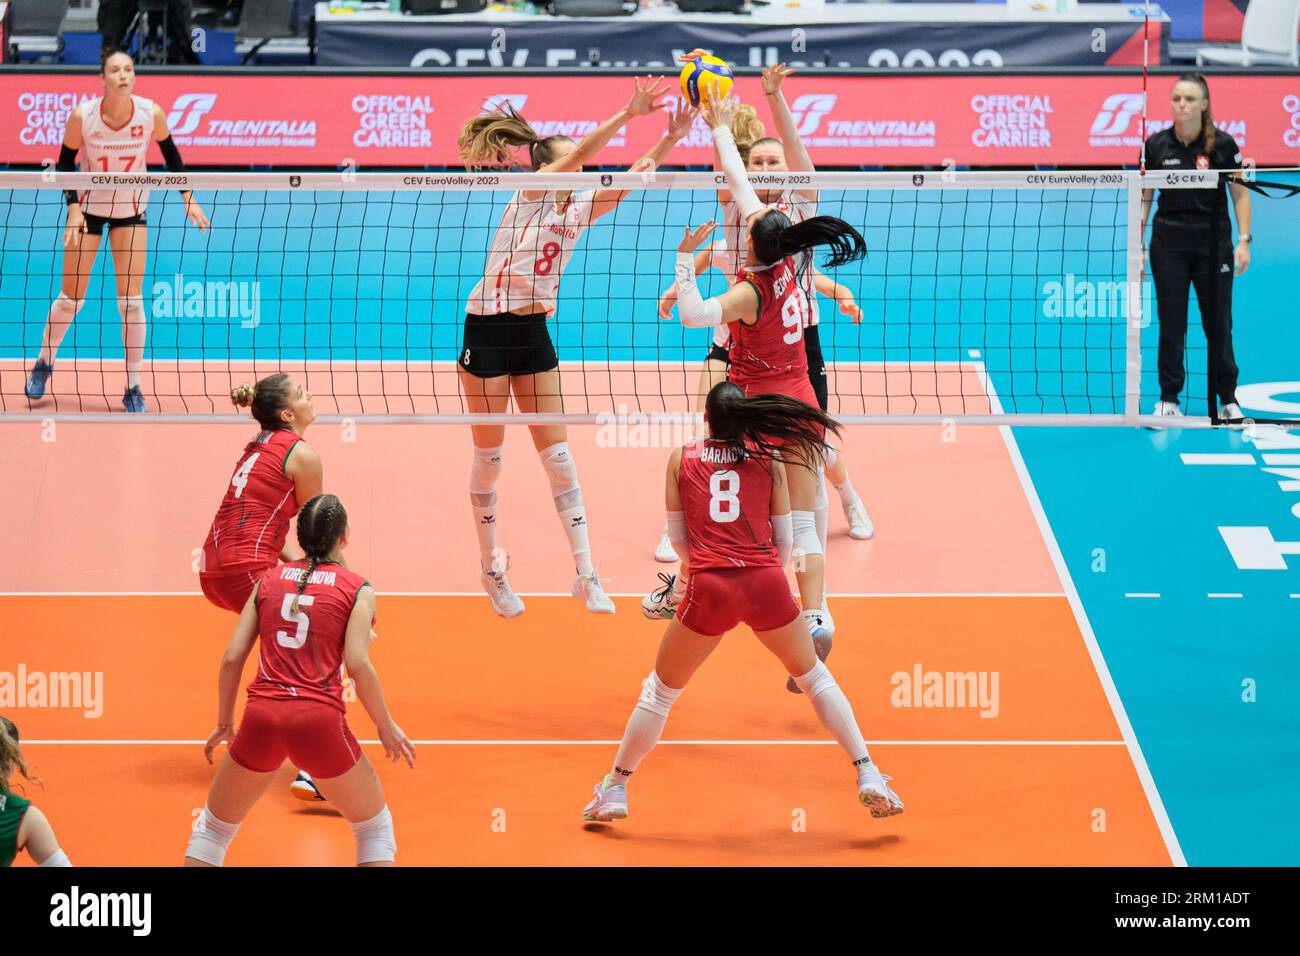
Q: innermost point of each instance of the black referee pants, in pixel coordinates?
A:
(1176, 268)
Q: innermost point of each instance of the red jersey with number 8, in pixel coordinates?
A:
(301, 653)
(727, 503)
(770, 353)
(253, 520)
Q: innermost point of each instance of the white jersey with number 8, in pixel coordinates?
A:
(108, 149)
(530, 250)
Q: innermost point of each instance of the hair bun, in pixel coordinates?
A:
(243, 395)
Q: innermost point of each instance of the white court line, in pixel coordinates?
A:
(1139, 594)
(1224, 595)
(615, 743)
(1231, 459)
(1089, 637)
(531, 594)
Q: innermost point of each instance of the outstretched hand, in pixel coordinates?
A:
(650, 95)
(694, 238)
(720, 112)
(773, 77)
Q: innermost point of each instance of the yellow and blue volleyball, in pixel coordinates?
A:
(705, 77)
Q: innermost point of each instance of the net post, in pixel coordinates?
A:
(1134, 314)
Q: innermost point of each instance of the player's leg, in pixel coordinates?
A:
(130, 245)
(810, 567)
(78, 261)
(540, 392)
(793, 647)
(1171, 273)
(488, 393)
(317, 737)
(855, 512)
(681, 652)
(234, 791)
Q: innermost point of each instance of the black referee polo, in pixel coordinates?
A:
(1183, 211)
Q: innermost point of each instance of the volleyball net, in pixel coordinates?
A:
(985, 296)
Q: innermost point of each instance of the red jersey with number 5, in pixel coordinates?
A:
(771, 350)
(301, 652)
(253, 520)
(727, 504)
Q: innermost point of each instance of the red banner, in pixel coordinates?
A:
(845, 121)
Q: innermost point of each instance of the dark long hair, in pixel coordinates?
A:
(321, 523)
(767, 426)
(268, 398)
(1208, 131)
(775, 238)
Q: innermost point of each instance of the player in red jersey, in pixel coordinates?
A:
(276, 473)
(765, 311)
(112, 132)
(310, 616)
(729, 511)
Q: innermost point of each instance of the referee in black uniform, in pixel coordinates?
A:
(1191, 244)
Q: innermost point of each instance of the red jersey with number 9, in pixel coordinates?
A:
(301, 652)
(727, 504)
(770, 353)
(253, 520)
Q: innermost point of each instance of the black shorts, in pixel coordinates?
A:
(95, 225)
(507, 344)
(718, 354)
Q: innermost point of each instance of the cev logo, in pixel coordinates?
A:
(1116, 113)
(809, 109)
(188, 110)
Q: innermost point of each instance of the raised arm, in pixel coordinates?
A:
(796, 154)
(679, 124)
(719, 114)
(649, 96)
(703, 260)
(737, 304)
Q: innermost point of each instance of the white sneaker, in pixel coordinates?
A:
(659, 604)
(666, 553)
(589, 588)
(1165, 410)
(860, 525)
(304, 788)
(875, 794)
(504, 600)
(609, 803)
(1231, 412)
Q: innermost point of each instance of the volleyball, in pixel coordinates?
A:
(705, 77)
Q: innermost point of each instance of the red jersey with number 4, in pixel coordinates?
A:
(301, 654)
(771, 350)
(253, 520)
(727, 503)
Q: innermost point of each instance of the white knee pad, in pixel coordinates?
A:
(483, 474)
(210, 838)
(131, 308)
(562, 473)
(816, 682)
(66, 308)
(656, 696)
(806, 539)
(376, 842)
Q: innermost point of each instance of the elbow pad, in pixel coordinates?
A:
(171, 155)
(677, 528)
(737, 180)
(783, 537)
(695, 312)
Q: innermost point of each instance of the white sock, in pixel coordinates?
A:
(135, 328)
(833, 710)
(483, 476)
(563, 476)
(645, 726)
(62, 312)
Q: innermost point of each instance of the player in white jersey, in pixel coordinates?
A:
(507, 348)
(113, 132)
(764, 154)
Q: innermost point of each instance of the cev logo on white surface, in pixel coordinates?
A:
(1291, 103)
(188, 110)
(1116, 113)
(809, 109)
